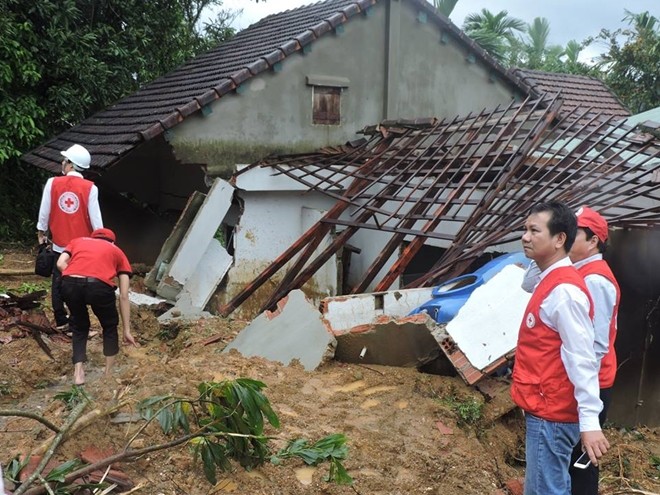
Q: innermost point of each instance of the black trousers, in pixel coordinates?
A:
(59, 311)
(585, 481)
(78, 293)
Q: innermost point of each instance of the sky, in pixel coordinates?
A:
(569, 19)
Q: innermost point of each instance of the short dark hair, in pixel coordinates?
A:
(562, 219)
(602, 246)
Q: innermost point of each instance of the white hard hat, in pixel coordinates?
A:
(78, 155)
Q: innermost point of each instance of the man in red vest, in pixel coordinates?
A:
(89, 267)
(555, 376)
(587, 256)
(69, 209)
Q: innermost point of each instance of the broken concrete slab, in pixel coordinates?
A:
(487, 325)
(189, 257)
(200, 286)
(343, 313)
(173, 241)
(145, 300)
(376, 329)
(406, 341)
(294, 332)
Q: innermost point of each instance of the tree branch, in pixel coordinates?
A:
(36, 417)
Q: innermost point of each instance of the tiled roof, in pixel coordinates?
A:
(576, 91)
(162, 104)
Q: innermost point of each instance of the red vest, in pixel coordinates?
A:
(540, 383)
(608, 363)
(69, 213)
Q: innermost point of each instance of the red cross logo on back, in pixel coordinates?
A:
(68, 202)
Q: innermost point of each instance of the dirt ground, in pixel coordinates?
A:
(404, 433)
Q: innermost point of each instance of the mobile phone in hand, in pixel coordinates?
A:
(583, 462)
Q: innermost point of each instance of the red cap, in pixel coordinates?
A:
(586, 217)
(106, 234)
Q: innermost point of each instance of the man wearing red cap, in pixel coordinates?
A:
(587, 256)
(89, 267)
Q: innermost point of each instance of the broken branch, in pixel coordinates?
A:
(82, 423)
(36, 417)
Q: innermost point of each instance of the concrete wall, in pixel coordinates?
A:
(396, 67)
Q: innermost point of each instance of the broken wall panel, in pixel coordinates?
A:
(294, 332)
(486, 327)
(189, 255)
(173, 241)
(201, 231)
(344, 313)
(200, 286)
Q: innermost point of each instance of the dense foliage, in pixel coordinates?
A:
(63, 60)
(632, 68)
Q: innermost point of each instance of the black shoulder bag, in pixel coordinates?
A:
(45, 259)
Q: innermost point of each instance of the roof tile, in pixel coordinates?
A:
(289, 47)
(321, 28)
(337, 19)
(306, 37)
(206, 98)
(240, 76)
(275, 56)
(258, 66)
(225, 87)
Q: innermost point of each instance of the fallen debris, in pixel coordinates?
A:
(294, 332)
(25, 312)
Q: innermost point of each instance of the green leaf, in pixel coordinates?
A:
(208, 463)
(338, 473)
(59, 473)
(166, 420)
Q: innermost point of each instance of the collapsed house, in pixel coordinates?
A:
(293, 82)
(355, 218)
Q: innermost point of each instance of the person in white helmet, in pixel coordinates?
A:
(69, 209)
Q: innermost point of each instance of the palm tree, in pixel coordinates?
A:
(572, 52)
(538, 33)
(445, 7)
(643, 23)
(493, 32)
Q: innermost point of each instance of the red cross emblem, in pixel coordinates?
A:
(68, 202)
